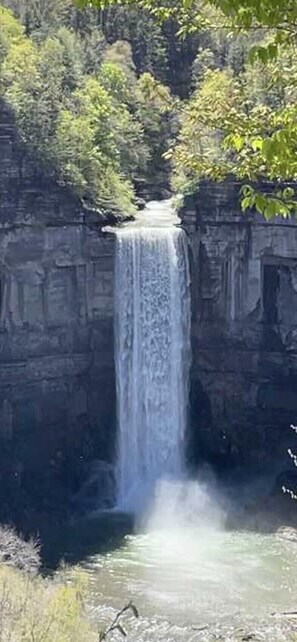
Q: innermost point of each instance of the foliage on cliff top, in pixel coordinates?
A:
(230, 126)
(84, 114)
(245, 126)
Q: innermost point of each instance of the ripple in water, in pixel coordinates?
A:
(185, 571)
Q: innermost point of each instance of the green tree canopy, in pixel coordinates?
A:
(242, 117)
(85, 115)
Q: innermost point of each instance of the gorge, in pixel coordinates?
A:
(57, 332)
(148, 305)
(64, 278)
(191, 573)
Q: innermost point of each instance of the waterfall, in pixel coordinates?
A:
(152, 346)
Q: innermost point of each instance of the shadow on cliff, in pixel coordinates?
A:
(67, 531)
(75, 541)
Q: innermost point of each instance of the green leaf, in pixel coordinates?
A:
(246, 203)
(288, 192)
(247, 190)
(256, 144)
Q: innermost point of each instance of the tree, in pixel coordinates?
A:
(148, 43)
(74, 125)
(243, 126)
(155, 109)
(86, 149)
(87, 117)
(11, 32)
(40, 15)
(250, 141)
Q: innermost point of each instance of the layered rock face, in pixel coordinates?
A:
(57, 379)
(244, 332)
(57, 383)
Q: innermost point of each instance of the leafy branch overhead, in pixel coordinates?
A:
(244, 12)
(243, 126)
(278, 15)
(240, 121)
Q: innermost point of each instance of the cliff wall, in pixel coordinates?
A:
(244, 332)
(57, 383)
(57, 379)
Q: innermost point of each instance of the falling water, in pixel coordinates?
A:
(152, 331)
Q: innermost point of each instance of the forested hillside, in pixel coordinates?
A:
(242, 123)
(88, 115)
(118, 104)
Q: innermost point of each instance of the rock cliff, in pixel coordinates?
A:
(57, 379)
(244, 331)
(57, 388)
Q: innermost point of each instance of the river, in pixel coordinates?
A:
(190, 576)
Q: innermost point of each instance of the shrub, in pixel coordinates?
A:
(18, 553)
(43, 610)
(38, 609)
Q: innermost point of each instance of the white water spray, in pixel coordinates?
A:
(152, 332)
